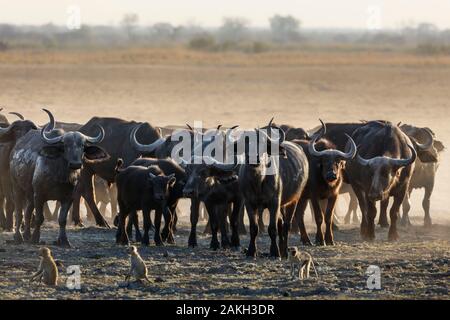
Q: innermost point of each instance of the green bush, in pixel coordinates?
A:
(203, 42)
(3, 46)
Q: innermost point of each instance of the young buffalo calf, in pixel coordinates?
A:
(146, 189)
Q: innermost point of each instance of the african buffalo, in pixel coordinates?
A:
(217, 186)
(45, 165)
(268, 181)
(146, 189)
(118, 145)
(168, 167)
(326, 166)
(382, 169)
(9, 135)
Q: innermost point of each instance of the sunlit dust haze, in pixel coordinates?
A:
(313, 13)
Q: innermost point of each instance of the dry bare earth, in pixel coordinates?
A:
(415, 268)
(172, 88)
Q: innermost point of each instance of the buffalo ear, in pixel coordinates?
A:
(7, 136)
(439, 145)
(51, 152)
(172, 180)
(94, 153)
(428, 156)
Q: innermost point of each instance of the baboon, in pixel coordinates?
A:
(138, 269)
(48, 271)
(303, 260)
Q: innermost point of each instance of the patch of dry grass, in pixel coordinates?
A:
(181, 56)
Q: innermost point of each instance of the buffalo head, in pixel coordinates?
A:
(75, 147)
(384, 173)
(17, 129)
(161, 184)
(331, 161)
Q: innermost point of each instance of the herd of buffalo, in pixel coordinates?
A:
(131, 162)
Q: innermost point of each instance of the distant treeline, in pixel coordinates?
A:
(235, 34)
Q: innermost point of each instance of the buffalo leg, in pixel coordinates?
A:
(348, 215)
(167, 233)
(284, 226)
(253, 216)
(371, 215)
(318, 217)
(157, 235)
(113, 198)
(39, 219)
(62, 240)
(2, 212)
(170, 239)
(146, 218)
(213, 212)
(135, 220)
(9, 207)
(363, 207)
(89, 197)
(273, 221)
(406, 204)
(393, 234)
(28, 214)
(295, 225)
(121, 234)
(235, 221)
(192, 242)
(241, 225)
(352, 209)
(383, 221)
(426, 206)
(18, 208)
(208, 226)
(223, 225)
(76, 218)
(329, 239)
(261, 225)
(300, 219)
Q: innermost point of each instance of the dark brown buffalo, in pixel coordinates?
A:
(326, 166)
(164, 150)
(336, 133)
(217, 186)
(428, 150)
(9, 135)
(45, 165)
(117, 144)
(279, 191)
(146, 189)
(168, 167)
(382, 169)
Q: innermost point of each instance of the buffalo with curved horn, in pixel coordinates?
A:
(382, 169)
(118, 145)
(46, 165)
(326, 175)
(10, 133)
(271, 179)
(428, 154)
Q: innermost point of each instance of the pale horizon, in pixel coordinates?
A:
(345, 14)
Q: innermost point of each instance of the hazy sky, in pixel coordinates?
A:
(313, 13)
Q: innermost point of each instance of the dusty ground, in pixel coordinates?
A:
(414, 268)
(244, 90)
